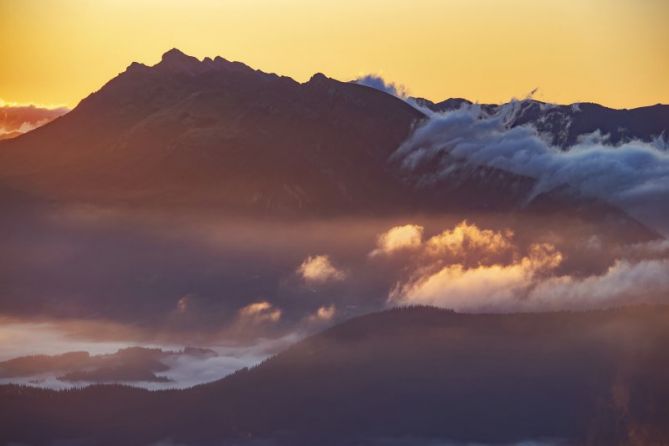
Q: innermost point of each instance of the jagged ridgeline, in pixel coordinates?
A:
(213, 132)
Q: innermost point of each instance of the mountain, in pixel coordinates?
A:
(218, 134)
(565, 124)
(404, 376)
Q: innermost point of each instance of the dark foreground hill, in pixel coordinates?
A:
(405, 376)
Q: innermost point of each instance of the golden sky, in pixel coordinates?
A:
(615, 52)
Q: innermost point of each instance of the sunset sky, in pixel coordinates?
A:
(615, 52)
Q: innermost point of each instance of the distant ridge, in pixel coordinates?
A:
(566, 123)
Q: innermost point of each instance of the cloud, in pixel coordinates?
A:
(17, 119)
(633, 175)
(176, 367)
(462, 242)
(260, 312)
(183, 303)
(624, 282)
(466, 240)
(377, 82)
(470, 269)
(479, 288)
(650, 249)
(19, 338)
(319, 269)
(399, 238)
(323, 313)
(255, 321)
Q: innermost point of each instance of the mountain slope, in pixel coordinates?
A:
(417, 374)
(217, 132)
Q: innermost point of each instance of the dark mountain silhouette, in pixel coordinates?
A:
(414, 374)
(218, 133)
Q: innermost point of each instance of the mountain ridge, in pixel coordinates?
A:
(219, 114)
(215, 133)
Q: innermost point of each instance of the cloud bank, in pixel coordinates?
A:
(625, 282)
(18, 119)
(632, 175)
(152, 367)
(470, 269)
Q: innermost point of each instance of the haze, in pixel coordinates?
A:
(297, 223)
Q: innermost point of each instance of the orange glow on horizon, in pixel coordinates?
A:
(614, 52)
(8, 104)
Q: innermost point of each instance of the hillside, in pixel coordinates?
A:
(415, 374)
(191, 132)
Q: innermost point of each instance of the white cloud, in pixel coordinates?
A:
(624, 282)
(460, 269)
(399, 238)
(633, 175)
(259, 312)
(481, 288)
(377, 82)
(466, 239)
(319, 269)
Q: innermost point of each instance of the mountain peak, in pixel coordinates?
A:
(317, 77)
(174, 54)
(178, 60)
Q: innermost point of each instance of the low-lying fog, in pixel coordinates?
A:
(83, 278)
